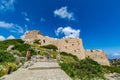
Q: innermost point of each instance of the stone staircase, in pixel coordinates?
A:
(39, 71)
(44, 65)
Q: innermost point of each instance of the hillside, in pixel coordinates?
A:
(74, 67)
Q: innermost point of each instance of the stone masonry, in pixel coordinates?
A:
(70, 45)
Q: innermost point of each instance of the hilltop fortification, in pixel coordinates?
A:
(70, 45)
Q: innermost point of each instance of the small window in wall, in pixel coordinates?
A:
(72, 44)
(91, 50)
(43, 41)
(66, 41)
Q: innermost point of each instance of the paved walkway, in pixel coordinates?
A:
(39, 71)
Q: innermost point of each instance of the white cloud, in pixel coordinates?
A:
(2, 38)
(59, 30)
(5, 25)
(17, 29)
(27, 19)
(12, 27)
(42, 20)
(63, 13)
(116, 54)
(11, 37)
(68, 32)
(6, 5)
(23, 35)
(26, 28)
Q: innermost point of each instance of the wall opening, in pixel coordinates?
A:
(43, 41)
(66, 41)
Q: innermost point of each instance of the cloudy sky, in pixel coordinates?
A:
(97, 22)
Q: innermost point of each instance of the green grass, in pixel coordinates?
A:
(81, 69)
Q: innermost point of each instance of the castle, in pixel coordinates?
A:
(70, 45)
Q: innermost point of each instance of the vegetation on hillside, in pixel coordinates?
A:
(80, 69)
(111, 69)
(115, 62)
(115, 66)
(50, 46)
(77, 69)
(7, 58)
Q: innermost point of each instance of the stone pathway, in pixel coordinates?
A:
(39, 71)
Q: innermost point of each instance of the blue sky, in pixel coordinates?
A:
(97, 22)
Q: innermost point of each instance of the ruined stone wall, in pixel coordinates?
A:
(70, 45)
(97, 55)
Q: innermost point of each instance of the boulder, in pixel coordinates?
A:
(11, 47)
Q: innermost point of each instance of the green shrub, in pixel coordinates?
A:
(5, 66)
(18, 43)
(50, 46)
(37, 42)
(69, 55)
(5, 44)
(83, 69)
(111, 69)
(6, 57)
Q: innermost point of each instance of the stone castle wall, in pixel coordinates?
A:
(97, 55)
(70, 45)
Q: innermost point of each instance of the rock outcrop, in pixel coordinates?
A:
(70, 45)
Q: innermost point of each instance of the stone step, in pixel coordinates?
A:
(38, 68)
(42, 74)
(44, 65)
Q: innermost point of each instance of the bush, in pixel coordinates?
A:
(18, 43)
(69, 55)
(5, 66)
(37, 42)
(5, 44)
(22, 47)
(111, 69)
(6, 57)
(83, 69)
(50, 46)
